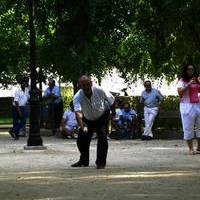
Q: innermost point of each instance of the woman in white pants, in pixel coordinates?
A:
(188, 90)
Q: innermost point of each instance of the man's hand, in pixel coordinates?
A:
(19, 113)
(84, 129)
(113, 115)
(61, 129)
(79, 118)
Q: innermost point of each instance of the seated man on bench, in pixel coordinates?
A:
(123, 124)
(68, 123)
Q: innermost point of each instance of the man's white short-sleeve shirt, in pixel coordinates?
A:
(93, 108)
(21, 97)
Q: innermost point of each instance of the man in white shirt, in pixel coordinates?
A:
(19, 111)
(92, 108)
(52, 97)
(69, 122)
(151, 99)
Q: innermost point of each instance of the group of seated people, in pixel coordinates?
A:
(124, 124)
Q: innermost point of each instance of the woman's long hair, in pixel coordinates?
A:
(184, 74)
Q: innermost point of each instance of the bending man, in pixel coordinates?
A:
(92, 108)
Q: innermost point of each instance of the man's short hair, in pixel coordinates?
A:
(147, 81)
(84, 77)
(127, 103)
(52, 80)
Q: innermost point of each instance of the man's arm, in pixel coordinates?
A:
(78, 112)
(63, 121)
(16, 101)
(111, 100)
(62, 124)
(79, 118)
(56, 93)
(142, 99)
(18, 109)
(160, 96)
(113, 110)
(45, 93)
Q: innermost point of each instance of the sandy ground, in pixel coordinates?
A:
(157, 169)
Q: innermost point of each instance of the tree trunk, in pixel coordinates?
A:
(75, 86)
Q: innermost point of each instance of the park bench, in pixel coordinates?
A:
(168, 125)
(5, 107)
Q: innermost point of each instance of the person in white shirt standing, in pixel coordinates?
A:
(151, 99)
(92, 108)
(69, 122)
(19, 111)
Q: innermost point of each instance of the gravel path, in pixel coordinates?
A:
(158, 169)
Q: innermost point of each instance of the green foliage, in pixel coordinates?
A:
(14, 40)
(88, 37)
(171, 103)
(171, 29)
(139, 37)
(134, 59)
(67, 96)
(73, 37)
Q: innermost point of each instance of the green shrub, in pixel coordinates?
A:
(170, 103)
(67, 96)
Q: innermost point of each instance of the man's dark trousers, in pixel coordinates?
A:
(19, 122)
(58, 113)
(83, 142)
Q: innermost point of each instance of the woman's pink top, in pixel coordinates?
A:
(188, 97)
(193, 92)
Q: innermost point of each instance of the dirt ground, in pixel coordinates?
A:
(158, 169)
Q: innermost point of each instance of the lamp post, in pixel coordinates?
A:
(34, 140)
